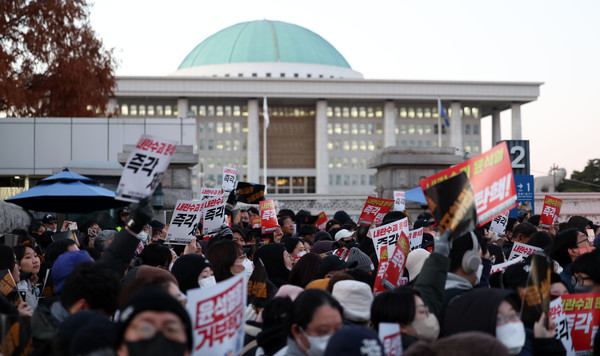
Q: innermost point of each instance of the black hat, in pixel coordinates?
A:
(48, 219)
(422, 223)
(354, 340)
(154, 299)
(333, 263)
(155, 224)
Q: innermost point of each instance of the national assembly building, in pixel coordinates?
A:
(325, 120)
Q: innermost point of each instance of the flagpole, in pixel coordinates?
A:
(265, 125)
(439, 123)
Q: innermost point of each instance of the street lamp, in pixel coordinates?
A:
(158, 198)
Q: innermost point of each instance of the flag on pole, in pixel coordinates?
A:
(266, 112)
(440, 111)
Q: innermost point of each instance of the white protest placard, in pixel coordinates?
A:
(498, 224)
(207, 193)
(213, 214)
(502, 266)
(145, 167)
(522, 250)
(399, 203)
(562, 332)
(217, 315)
(184, 221)
(415, 237)
(388, 235)
(389, 335)
(229, 178)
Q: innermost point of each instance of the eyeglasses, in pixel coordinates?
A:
(585, 239)
(579, 280)
(501, 319)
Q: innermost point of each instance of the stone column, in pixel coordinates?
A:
(253, 150)
(182, 108)
(321, 151)
(516, 121)
(496, 133)
(456, 129)
(389, 124)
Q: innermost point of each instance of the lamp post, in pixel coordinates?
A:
(158, 198)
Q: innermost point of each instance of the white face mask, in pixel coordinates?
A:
(479, 272)
(143, 236)
(300, 254)
(427, 329)
(512, 335)
(318, 344)
(207, 282)
(248, 267)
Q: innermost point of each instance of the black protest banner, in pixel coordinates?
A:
(537, 293)
(250, 193)
(260, 291)
(8, 287)
(452, 204)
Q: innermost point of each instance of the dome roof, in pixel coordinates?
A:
(264, 41)
(265, 49)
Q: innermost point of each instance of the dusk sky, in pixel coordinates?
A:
(554, 42)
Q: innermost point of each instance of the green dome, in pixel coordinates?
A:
(264, 41)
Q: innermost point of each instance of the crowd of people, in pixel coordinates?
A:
(121, 290)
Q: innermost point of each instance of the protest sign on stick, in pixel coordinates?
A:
(550, 211)
(498, 224)
(393, 275)
(217, 315)
(537, 291)
(388, 235)
(145, 167)
(250, 193)
(374, 210)
(184, 222)
(562, 331)
(452, 204)
(389, 335)
(229, 178)
(491, 178)
(268, 217)
(415, 237)
(213, 214)
(583, 315)
(522, 251)
(321, 221)
(399, 202)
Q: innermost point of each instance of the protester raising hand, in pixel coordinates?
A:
(540, 331)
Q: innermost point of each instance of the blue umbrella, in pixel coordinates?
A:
(417, 195)
(67, 192)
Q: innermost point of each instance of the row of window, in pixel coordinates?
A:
(222, 145)
(369, 145)
(221, 127)
(219, 162)
(418, 129)
(354, 129)
(351, 179)
(432, 112)
(148, 110)
(353, 162)
(470, 146)
(355, 111)
(290, 185)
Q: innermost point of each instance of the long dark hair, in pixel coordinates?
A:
(222, 255)
(305, 270)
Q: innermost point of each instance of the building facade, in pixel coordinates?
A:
(326, 120)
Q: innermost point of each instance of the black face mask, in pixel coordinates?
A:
(157, 345)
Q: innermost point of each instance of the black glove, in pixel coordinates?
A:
(140, 215)
(442, 245)
(232, 199)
